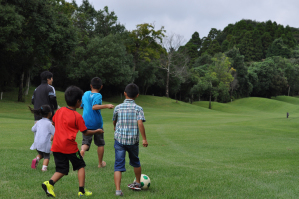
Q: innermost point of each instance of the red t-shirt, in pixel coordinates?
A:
(67, 124)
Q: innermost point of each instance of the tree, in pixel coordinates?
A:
(243, 86)
(267, 40)
(271, 79)
(247, 46)
(258, 46)
(224, 45)
(46, 36)
(10, 26)
(144, 45)
(173, 60)
(215, 78)
(106, 57)
(193, 46)
(214, 48)
(278, 48)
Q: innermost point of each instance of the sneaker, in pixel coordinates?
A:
(49, 189)
(119, 193)
(135, 186)
(87, 193)
(44, 169)
(34, 163)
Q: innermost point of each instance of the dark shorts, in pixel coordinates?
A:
(44, 155)
(62, 162)
(98, 139)
(120, 155)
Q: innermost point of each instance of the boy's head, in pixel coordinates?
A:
(72, 95)
(47, 76)
(96, 83)
(132, 90)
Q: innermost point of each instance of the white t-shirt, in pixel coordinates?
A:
(43, 129)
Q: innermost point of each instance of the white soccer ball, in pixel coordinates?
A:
(145, 181)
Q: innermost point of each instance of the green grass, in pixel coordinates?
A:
(243, 149)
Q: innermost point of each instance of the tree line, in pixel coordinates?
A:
(77, 42)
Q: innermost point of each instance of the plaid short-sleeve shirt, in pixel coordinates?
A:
(126, 116)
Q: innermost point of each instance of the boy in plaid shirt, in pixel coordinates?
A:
(128, 120)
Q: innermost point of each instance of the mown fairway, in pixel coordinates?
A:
(243, 149)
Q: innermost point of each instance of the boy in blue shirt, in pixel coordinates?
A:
(128, 120)
(92, 105)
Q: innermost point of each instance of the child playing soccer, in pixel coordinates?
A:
(92, 105)
(128, 120)
(67, 124)
(44, 131)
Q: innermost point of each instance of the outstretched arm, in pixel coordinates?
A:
(142, 132)
(98, 107)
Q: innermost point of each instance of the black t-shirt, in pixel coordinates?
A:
(44, 94)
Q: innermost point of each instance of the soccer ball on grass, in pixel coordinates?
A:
(145, 181)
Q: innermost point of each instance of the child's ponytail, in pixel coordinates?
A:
(43, 111)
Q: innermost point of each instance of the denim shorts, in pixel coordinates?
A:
(120, 155)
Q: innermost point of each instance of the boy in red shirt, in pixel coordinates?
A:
(67, 124)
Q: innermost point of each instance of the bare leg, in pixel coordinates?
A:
(84, 148)
(39, 156)
(100, 156)
(137, 171)
(81, 177)
(46, 162)
(57, 176)
(117, 179)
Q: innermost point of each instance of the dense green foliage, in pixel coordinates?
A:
(78, 42)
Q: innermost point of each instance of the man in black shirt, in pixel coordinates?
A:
(45, 94)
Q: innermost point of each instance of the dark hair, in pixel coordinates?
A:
(43, 111)
(96, 83)
(72, 95)
(132, 90)
(46, 75)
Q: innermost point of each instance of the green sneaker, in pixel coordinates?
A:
(49, 189)
(87, 193)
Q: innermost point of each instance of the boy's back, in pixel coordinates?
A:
(127, 114)
(67, 124)
(93, 118)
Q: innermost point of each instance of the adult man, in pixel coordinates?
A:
(44, 94)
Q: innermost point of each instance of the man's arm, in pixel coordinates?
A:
(91, 132)
(142, 132)
(98, 107)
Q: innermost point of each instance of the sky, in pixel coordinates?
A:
(184, 17)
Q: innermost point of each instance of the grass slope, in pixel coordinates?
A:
(243, 149)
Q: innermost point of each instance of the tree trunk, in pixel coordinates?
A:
(167, 84)
(191, 98)
(289, 91)
(20, 95)
(210, 103)
(27, 83)
(199, 97)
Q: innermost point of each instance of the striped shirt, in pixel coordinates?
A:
(126, 116)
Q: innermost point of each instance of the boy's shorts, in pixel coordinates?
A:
(98, 139)
(44, 155)
(120, 155)
(62, 162)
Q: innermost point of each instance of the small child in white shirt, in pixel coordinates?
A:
(43, 135)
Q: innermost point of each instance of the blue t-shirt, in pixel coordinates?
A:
(92, 118)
